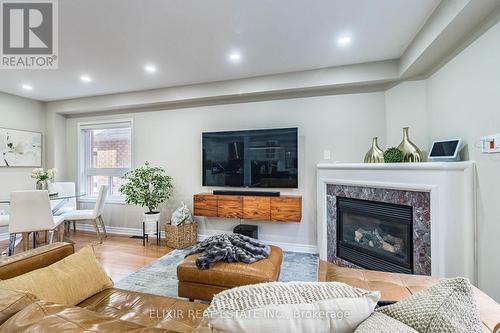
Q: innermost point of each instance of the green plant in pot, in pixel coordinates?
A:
(148, 187)
(393, 155)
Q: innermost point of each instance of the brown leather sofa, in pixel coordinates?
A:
(112, 310)
(396, 287)
(116, 310)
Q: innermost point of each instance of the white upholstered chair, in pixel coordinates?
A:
(30, 212)
(94, 215)
(63, 189)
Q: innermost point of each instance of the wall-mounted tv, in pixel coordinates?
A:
(264, 158)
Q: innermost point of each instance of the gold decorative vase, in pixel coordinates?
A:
(410, 150)
(375, 154)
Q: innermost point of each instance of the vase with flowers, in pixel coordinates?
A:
(43, 178)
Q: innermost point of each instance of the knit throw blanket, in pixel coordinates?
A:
(229, 248)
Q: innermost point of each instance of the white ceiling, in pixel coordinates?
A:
(189, 41)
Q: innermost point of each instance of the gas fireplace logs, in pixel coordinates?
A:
(374, 239)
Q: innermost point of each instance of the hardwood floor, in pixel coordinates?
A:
(122, 255)
(119, 255)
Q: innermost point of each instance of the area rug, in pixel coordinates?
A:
(160, 276)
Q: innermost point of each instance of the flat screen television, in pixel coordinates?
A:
(264, 158)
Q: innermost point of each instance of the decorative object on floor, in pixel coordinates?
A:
(160, 276)
(181, 215)
(20, 148)
(42, 177)
(345, 307)
(181, 236)
(448, 306)
(182, 230)
(149, 187)
(247, 230)
(393, 155)
(375, 154)
(411, 152)
(229, 248)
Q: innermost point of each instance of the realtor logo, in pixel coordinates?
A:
(29, 34)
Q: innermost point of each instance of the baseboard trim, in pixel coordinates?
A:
(122, 231)
(292, 247)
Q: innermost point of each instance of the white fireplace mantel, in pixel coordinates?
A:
(452, 198)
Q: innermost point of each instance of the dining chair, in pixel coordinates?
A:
(94, 215)
(64, 189)
(30, 212)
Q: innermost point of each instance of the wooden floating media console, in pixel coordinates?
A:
(285, 208)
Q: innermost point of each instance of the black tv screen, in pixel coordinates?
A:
(252, 158)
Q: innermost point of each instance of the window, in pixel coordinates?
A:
(106, 155)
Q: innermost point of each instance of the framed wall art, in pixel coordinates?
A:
(19, 148)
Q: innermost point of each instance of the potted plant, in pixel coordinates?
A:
(42, 178)
(393, 155)
(148, 187)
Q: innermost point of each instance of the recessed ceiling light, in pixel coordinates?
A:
(234, 57)
(150, 68)
(344, 40)
(27, 87)
(86, 78)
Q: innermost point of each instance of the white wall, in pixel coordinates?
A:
(19, 113)
(406, 106)
(172, 139)
(55, 143)
(463, 100)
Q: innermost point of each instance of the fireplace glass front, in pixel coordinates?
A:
(375, 235)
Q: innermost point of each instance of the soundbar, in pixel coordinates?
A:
(249, 193)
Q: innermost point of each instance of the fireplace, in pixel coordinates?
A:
(375, 235)
(442, 198)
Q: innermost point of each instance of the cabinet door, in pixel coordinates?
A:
(286, 209)
(257, 208)
(229, 206)
(205, 205)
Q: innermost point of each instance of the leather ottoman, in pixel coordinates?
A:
(204, 284)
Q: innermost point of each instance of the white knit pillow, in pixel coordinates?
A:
(291, 307)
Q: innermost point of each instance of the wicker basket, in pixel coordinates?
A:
(182, 236)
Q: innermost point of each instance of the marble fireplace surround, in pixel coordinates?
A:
(451, 191)
(419, 201)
